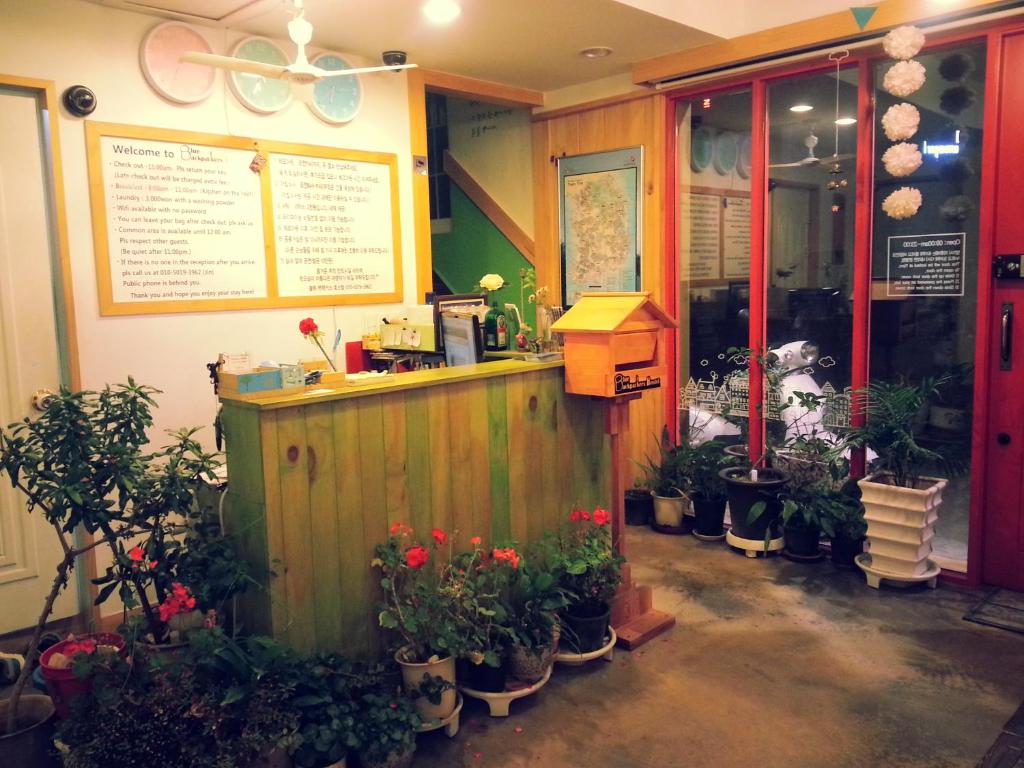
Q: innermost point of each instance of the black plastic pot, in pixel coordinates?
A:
(584, 630)
(32, 742)
(803, 543)
(709, 515)
(744, 493)
(845, 549)
(639, 507)
(483, 677)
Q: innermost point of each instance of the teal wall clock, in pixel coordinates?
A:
(258, 93)
(336, 99)
(702, 148)
(726, 149)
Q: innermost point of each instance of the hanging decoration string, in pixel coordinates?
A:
(838, 57)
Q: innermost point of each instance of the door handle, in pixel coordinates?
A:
(1006, 338)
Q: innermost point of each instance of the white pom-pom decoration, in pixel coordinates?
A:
(902, 159)
(903, 42)
(904, 78)
(903, 203)
(901, 121)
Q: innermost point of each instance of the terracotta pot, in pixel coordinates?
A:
(530, 664)
(62, 684)
(30, 745)
(412, 676)
(669, 510)
(901, 523)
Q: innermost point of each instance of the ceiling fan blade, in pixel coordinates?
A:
(272, 71)
(322, 73)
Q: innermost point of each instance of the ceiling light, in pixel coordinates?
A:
(846, 120)
(801, 108)
(596, 52)
(441, 11)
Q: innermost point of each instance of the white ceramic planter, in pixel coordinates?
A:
(412, 677)
(669, 510)
(901, 524)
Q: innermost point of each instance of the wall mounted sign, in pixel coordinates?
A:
(186, 222)
(624, 383)
(336, 99)
(254, 91)
(926, 265)
(172, 78)
(600, 199)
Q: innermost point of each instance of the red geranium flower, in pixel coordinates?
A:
(308, 326)
(135, 554)
(507, 555)
(416, 556)
(602, 516)
(440, 537)
(475, 541)
(400, 529)
(179, 601)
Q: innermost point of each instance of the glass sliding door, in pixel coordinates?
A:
(924, 268)
(812, 158)
(714, 155)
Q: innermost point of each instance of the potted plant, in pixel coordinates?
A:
(815, 472)
(81, 464)
(901, 502)
(590, 573)
(386, 724)
(703, 464)
(327, 710)
(639, 503)
(479, 587)
(533, 602)
(667, 485)
(419, 607)
(844, 523)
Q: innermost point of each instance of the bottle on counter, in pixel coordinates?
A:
(495, 330)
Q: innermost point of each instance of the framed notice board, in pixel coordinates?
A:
(193, 222)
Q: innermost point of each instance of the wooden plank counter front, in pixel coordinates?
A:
(496, 450)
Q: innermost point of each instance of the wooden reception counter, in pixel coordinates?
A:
(496, 450)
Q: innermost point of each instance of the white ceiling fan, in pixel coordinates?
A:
(299, 71)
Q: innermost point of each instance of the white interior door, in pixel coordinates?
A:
(29, 357)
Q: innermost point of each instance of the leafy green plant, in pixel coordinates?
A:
(81, 465)
(532, 605)
(327, 706)
(385, 726)
(892, 411)
(478, 590)
(664, 475)
(588, 568)
(701, 465)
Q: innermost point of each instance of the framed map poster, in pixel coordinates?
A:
(599, 206)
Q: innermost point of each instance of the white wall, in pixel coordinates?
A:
(72, 42)
(493, 143)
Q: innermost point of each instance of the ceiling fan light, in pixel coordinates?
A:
(441, 11)
(801, 108)
(300, 31)
(846, 120)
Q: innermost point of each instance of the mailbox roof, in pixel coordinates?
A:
(606, 312)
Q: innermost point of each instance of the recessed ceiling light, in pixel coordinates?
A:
(801, 108)
(846, 121)
(441, 11)
(596, 52)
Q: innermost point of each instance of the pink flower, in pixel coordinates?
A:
(440, 537)
(602, 516)
(416, 556)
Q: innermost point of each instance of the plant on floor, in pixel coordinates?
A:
(385, 728)
(890, 429)
(702, 467)
(533, 601)
(327, 705)
(81, 465)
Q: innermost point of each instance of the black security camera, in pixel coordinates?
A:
(394, 58)
(79, 100)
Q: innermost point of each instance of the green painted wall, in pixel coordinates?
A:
(474, 248)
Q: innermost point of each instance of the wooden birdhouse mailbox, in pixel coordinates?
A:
(613, 344)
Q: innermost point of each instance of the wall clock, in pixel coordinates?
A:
(744, 158)
(258, 93)
(726, 149)
(160, 59)
(336, 99)
(702, 148)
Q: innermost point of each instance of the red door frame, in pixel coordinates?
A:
(863, 59)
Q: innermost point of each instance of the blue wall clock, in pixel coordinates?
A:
(702, 148)
(258, 93)
(336, 99)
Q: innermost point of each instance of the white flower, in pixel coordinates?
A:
(492, 282)
(902, 159)
(903, 203)
(901, 121)
(903, 78)
(903, 42)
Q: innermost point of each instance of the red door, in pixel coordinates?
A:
(1004, 508)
